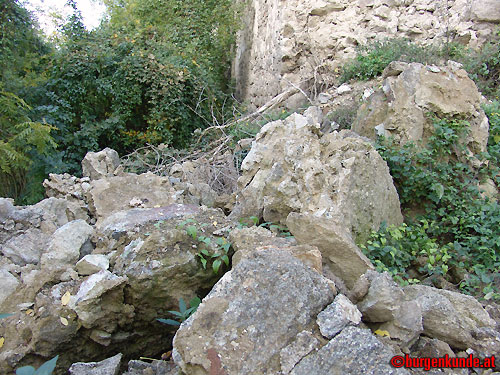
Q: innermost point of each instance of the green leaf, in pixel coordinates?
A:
(192, 231)
(216, 265)
(176, 313)
(195, 302)
(169, 322)
(225, 259)
(26, 370)
(182, 306)
(47, 367)
(204, 263)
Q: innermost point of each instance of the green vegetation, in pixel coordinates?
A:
(183, 312)
(483, 65)
(45, 369)
(152, 73)
(458, 235)
(373, 58)
(206, 246)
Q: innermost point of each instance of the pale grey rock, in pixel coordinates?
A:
(66, 244)
(339, 314)
(91, 264)
(26, 248)
(110, 366)
(486, 10)
(253, 312)
(151, 368)
(96, 165)
(409, 92)
(343, 89)
(449, 316)
(353, 351)
(384, 299)
(292, 167)
(9, 285)
(339, 253)
(113, 194)
(100, 301)
(407, 324)
(290, 355)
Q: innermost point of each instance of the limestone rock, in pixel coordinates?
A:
(66, 244)
(293, 168)
(407, 324)
(112, 194)
(151, 368)
(100, 164)
(339, 314)
(253, 312)
(449, 316)
(98, 297)
(353, 351)
(26, 248)
(290, 355)
(9, 285)
(383, 300)
(340, 255)
(486, 11)
(91, 264)
(109, 366)
(399, 109)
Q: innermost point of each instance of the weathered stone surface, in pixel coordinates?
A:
(432, 348)
(290, 355)
(253, 312)
(400, 108)
(98, 297)
(26, 248)
(66, 244)
(353, 351)
(407, 324)
(110, 366)
(151, 368)
(285, 44)
(293, 168)
(91, 264)
(486, 11)
(339, 314)
(339, 253)
(449, 316)
(100, 164)
(383, 300)
(109, 195)
(246, 240)
(9, 285)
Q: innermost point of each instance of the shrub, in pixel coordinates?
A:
(373, 58)
(439, 178)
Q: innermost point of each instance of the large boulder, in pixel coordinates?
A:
(120, 193)
(292, 167)
(251, 314)
(353, 351)
(341, 257)
(449, 316)
(410, 91)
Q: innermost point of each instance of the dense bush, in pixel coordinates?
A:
(460, 229)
